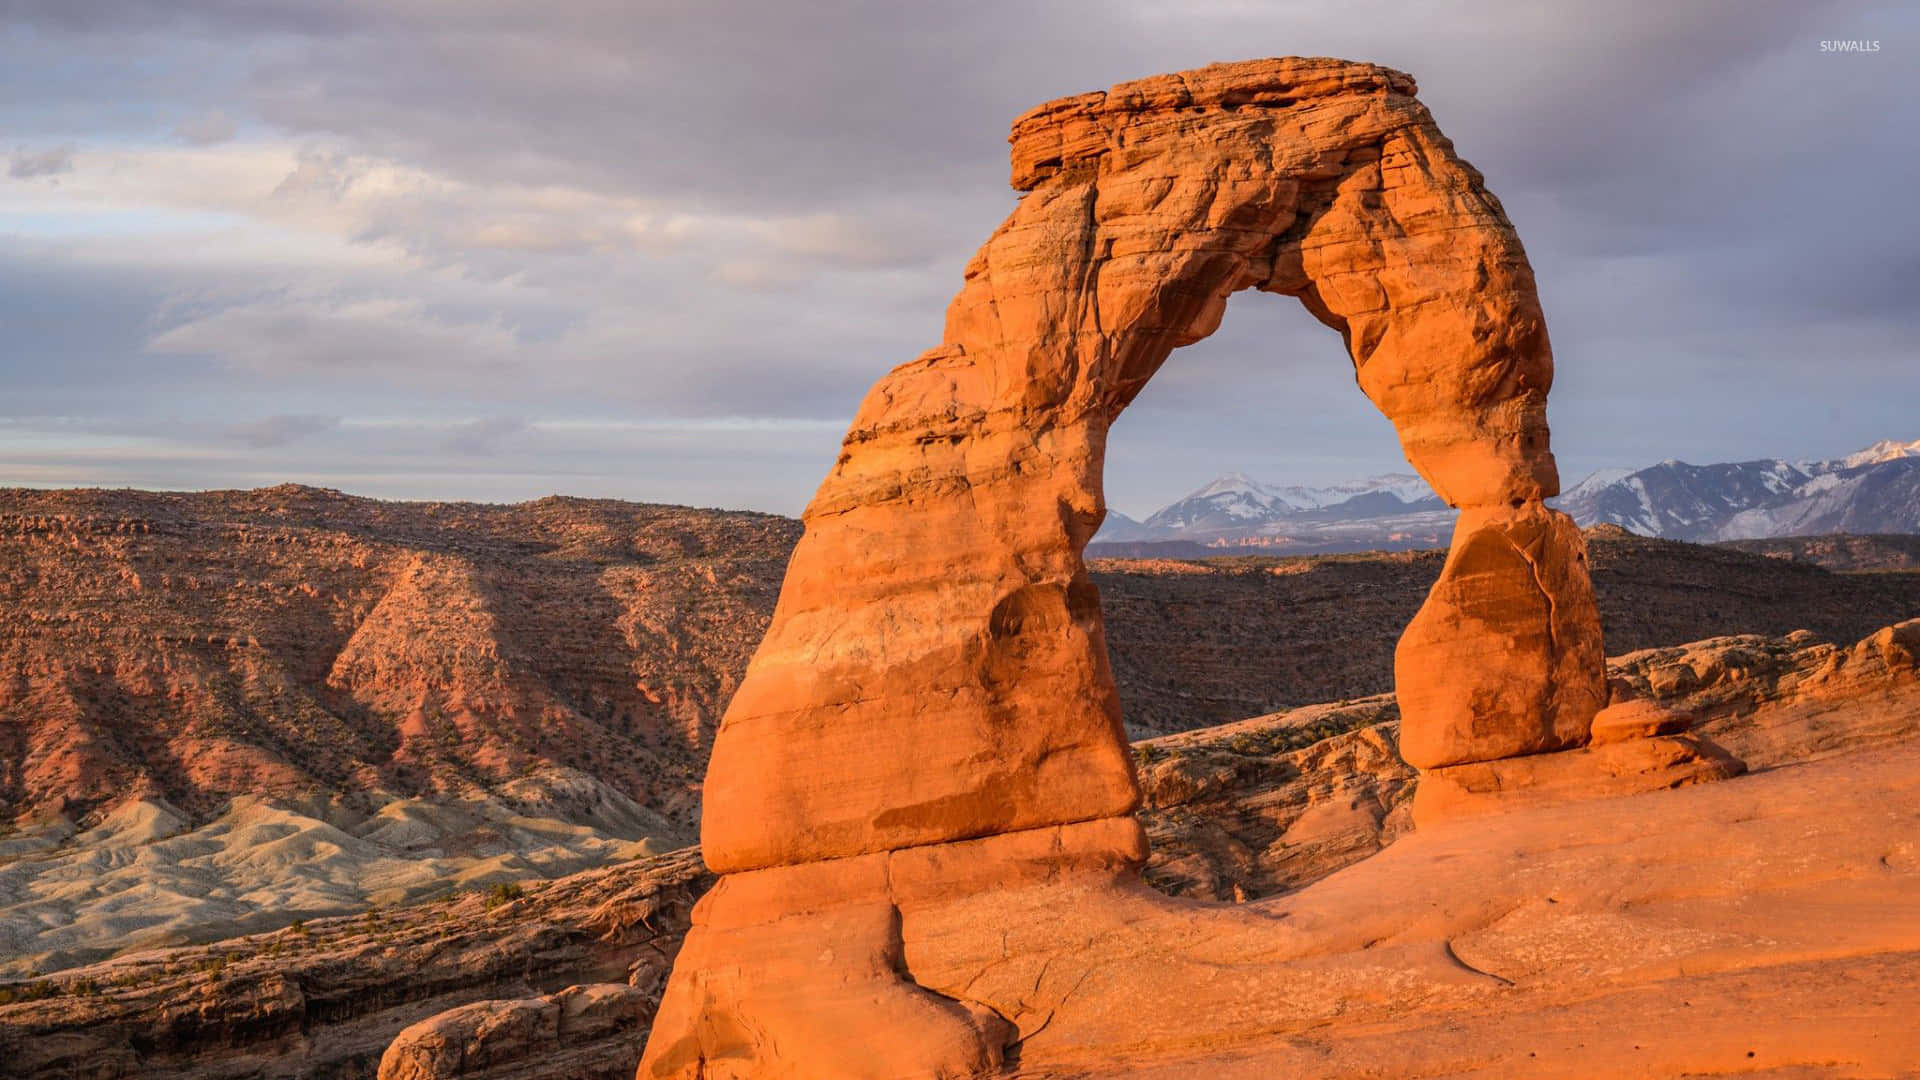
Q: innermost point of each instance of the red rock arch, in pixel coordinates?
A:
(936, 670)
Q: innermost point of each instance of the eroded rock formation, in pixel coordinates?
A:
(936, 669)
(927, 746)
(583, 1032)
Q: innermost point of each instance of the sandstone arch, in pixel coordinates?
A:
(935, 670)
(932, 710)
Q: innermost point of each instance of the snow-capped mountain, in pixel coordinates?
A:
(1397, 510)
(1876, 490)
(1681, 501)
(1884, 450)
(1236, 502)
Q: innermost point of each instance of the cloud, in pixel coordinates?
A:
(319, 174)
(206, 129)
(678, 213)
(484, 436)
(34, 164)
(315, 335)
(282, 429)
(850, 239)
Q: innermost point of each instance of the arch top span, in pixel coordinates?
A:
(936, 669)
(1069, 132)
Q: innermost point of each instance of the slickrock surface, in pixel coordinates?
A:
(1764, 926)
(1768, 924)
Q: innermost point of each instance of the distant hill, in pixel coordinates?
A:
(1201, 642)
(1840, 551)
(192, 648)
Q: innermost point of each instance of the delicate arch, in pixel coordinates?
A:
(936, 668)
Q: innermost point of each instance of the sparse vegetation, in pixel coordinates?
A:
(34, 991)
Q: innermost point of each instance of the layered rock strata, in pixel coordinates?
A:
(927, 746)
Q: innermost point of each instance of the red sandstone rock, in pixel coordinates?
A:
(935, 669)
(1605, 910)
(1505, 658)
(584, 1032)
(1637, 718)
(1621, 767)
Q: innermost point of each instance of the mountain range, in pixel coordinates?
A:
(1876, 490)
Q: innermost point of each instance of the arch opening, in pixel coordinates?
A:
(1253, 452)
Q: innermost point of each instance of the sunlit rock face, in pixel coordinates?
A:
(935, 669)
(931, 713)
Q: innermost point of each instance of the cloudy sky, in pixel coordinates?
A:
(494, 249)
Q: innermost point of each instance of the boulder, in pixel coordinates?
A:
(1505, 657)
(590, 1032)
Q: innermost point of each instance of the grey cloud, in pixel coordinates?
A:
(1716, 211)
(120, 16)
(33, 164)
(319, 174)
(485, 435)
(282, 429)
(206, 129)
(394, 340)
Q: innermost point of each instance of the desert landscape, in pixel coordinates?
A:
(563, 722)
(1530, 762)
